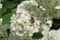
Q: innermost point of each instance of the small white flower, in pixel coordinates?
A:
(45, 27)
(13, 26)
(25, 15)
(30, 34)
(52, 33)
(0, 21)
(19, 10)
(42, 8)
(1, 5)
(49, 22)
(57, 7)
(19, 34)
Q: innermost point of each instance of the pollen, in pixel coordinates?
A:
(25, 14)
(14, 25)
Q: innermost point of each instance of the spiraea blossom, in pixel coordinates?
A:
(27, 20)
(52, 35)
(24, 23)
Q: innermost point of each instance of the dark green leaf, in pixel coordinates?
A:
(37, 35)
(9, 5)
(3, 0)
(6, 18)
(1, 12)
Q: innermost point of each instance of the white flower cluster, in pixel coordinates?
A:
(27, 20)
(30, 18)
(24, 23)
(52, 35)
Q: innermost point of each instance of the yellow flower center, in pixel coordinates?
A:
(25, 14)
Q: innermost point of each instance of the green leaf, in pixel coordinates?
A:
(6, 18)
(9, 5)
(18, 1)
(37, 35)
(3, 0)
(1, 12)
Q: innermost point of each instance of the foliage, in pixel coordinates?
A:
(6, 12)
